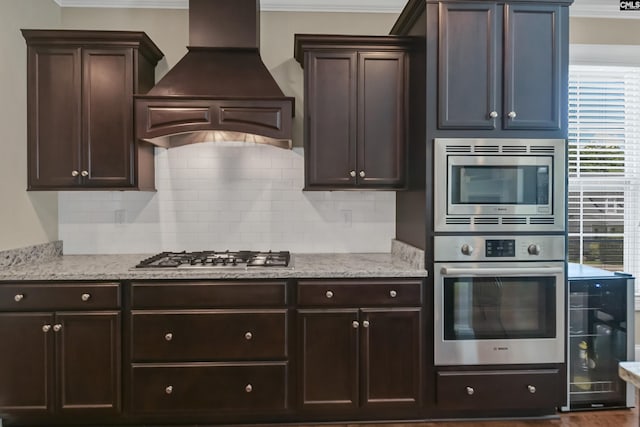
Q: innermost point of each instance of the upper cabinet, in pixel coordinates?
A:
(80, 91)
(500, 65)
(355, 106)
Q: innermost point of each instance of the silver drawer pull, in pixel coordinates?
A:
(355, 324)
(168, 389)
(531, 388)
(393, 294)
(248, 388)
(85, 297)
(18, 297)
(365, 324)
(168, 336)
(248, 336)
(470, 391)
(329, 294)
(46, 328)
(57, 327)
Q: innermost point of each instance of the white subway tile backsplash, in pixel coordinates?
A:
(227, 196)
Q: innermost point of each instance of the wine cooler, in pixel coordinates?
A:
(600, 335)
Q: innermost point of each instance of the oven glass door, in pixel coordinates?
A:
(505, 184)
(499, 313)
(481, 308)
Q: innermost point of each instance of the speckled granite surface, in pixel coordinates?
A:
(406, 252)
(30, 254)
(121, 267)
(630, 372)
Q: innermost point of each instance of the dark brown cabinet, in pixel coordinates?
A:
(355, 110)
(80, 109)
(64, 361)
(209, 349)
(355, 359)
(500, 66)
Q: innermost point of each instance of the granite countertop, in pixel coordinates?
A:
(630, 372)
(121, 267)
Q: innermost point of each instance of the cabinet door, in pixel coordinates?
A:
(107, 104)
(26, 371)
(391, 357)
(88, 359)
(331, 118)
(532, 66)
(467, 72)
(328, 359)
(54, 76)
(381, 118)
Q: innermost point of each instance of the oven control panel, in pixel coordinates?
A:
(499, 248)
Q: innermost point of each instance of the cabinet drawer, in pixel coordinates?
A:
(208, 387)
(209, 335)
(523, 389)
(349, 293)
(189, 294)
(59, 296)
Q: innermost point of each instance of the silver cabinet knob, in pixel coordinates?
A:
(168, 389)
(355, 324)
(365, 324)
(352, 173)
(18, 297)
(531, 388)
(75, 173)
(466, 249)
(248, 388)
(362, 174)
(393, 293)
(512, 114)
(46, 328)
(248, 336)
(470, 391)
(493, 114)
(168, 336)
(57, 327)
(84, 173)
(85, 297)
(329, 294)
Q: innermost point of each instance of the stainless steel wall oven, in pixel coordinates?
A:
(498, 185)
(499, 299)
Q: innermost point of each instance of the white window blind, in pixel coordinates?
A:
(604, 153)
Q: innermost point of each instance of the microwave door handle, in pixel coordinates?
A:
(488, 271)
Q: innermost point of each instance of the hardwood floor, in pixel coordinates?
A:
(607, 418)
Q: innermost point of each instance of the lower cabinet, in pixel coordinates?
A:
(359, 359)
(209, 350)
(499, 389)
(61, 363)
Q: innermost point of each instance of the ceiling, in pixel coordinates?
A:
(580, 8)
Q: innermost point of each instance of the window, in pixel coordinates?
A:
(604, 178)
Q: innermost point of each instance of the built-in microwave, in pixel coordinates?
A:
(499, 185)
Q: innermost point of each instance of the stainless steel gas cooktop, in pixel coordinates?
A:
(218, 259)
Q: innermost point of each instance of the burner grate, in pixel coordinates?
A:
(217, 259)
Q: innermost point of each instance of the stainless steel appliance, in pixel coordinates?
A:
(601, 334)
(218, 259)
(499, 185)
(499, 299)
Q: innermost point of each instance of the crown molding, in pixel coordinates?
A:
(375, 6)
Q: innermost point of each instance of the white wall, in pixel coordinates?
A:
(25, 218)
(227, 196)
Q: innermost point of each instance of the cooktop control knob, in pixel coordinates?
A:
(533, 249)
(466, 249)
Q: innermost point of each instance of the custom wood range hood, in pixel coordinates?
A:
(221, 89)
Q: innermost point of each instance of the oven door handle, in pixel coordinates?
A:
(501, 271)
